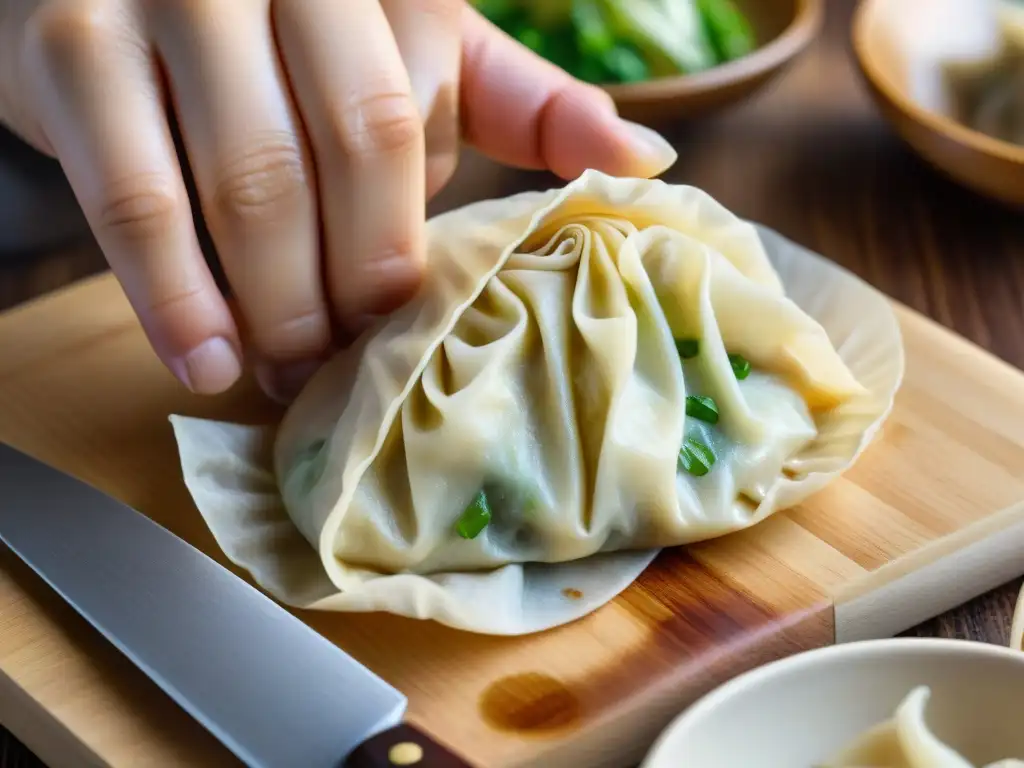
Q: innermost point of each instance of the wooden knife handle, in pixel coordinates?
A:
(403, 746)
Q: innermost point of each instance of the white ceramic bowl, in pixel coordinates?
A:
(800, 711)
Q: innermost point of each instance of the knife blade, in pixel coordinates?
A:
(275, 692)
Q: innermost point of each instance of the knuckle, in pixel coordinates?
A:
(189, 11)
(448, 12)
(141, 208)
(174, 305)
(176, 316)
(381, 123)
(269, 178)
(57, 29)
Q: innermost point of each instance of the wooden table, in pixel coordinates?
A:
(811, 158)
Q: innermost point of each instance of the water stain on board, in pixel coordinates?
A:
(701, 631)
(530, 702)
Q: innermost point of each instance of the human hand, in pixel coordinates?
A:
(315, 129)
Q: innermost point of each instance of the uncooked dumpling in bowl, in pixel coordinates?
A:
(906, 741)
(589, 374)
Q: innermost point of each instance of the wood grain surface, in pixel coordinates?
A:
(810, 158)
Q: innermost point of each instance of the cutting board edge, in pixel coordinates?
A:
(101, 281)
(41, 730)
(62, 641)
(603, 745)
(906, 314)
(916, 587)
(913, 323)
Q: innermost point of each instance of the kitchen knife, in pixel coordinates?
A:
(272, 690)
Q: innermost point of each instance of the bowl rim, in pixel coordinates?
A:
(798, 34)
(934, 121)
(860, 649)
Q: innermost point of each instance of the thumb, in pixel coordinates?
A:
(522, 110)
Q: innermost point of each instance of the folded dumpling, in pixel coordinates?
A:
(620, 369)
(612, 367)
(906, 741)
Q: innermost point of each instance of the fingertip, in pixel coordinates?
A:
(283, 383)
(376, 286)
(193, 333)
(650, 151)
(390, 282)
(581, 130)
(440, 168)
(522, 110)
(210, 368)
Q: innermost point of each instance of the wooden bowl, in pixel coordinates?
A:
(987, 165)
(804, 709)
(783, 28)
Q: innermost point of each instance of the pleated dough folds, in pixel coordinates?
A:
(538, 370)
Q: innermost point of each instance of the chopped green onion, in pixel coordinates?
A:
(591, 70)
(531, 505)
(688, 348)
(740, 366)
(625, 64)
(669, 33)
(593, 37)
(696, 458)
(560, 47)
(496, 11)
(309, 466)
(531, 38)
(728, 29)
(703, 408)
(475, 518)
(621, 41)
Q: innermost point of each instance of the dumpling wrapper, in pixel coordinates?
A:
(1017, 624)
(906, 741)
(540, 354)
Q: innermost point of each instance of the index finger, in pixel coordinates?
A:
(522, 110)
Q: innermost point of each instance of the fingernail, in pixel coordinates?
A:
(284, 382)
(657, 154)
(210, 368)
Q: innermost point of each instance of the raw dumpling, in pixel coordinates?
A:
(905, 741)
(600, 370)
(536, 412)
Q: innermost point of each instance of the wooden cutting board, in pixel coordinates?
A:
(930, 517)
